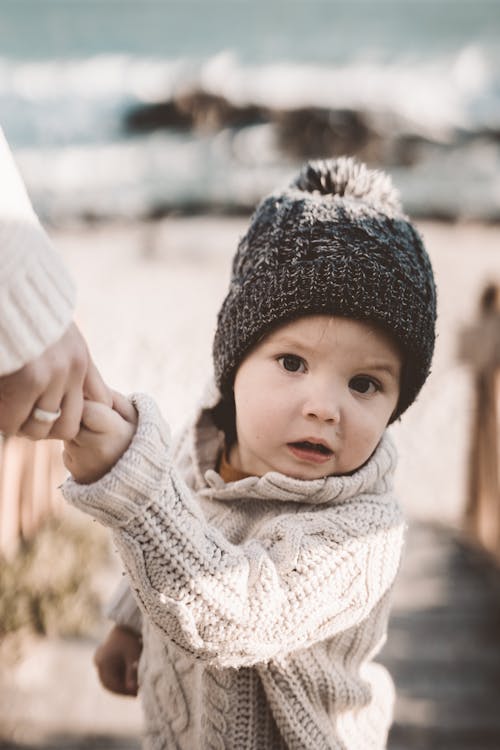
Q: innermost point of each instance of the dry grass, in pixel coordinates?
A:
(47, 588)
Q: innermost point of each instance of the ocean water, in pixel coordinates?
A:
(422, 77)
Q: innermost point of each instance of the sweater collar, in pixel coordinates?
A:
(375, 476)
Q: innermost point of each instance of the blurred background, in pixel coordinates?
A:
(146, 131)
(142, 107)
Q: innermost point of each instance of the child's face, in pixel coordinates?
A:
(314, 397)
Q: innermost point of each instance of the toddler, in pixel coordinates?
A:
(262, 549)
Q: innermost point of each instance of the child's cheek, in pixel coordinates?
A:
(367, 434)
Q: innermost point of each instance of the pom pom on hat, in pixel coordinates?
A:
(347, 178)
(334, 242)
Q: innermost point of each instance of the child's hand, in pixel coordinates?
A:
(104, 436)
(116, 660)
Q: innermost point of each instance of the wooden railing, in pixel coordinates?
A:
(480, 348)
(29, 476)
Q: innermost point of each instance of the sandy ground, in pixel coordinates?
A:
(148, 295)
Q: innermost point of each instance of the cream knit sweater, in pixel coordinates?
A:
(264, 600)
(36, 293)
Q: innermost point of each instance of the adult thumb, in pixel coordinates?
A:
(94, 387)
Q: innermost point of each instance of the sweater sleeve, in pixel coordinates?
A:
(122, 608)
(36, 292)
(303, 577)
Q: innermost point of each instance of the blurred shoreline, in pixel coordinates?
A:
(135, 125)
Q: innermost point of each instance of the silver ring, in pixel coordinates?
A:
(40, 415)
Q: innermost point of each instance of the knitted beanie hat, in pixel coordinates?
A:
(335, 242)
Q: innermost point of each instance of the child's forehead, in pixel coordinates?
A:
(329, 331)
(318, 325)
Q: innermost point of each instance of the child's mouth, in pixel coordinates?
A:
(309, 451)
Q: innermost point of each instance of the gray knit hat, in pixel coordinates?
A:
(336, 242)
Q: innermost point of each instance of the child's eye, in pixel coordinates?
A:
(364, 385)
(292, 363)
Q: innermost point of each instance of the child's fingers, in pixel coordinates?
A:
(111, 676)
(131, 683)
(97, 417)
(67, 459)
(116, 663)
(124, 407)
(86, 438)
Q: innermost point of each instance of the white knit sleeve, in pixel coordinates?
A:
(36, 292)
(302, 579)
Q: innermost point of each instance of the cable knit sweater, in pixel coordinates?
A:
(264, 600)
(36, 293)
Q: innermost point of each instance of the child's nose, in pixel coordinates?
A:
(323, 403)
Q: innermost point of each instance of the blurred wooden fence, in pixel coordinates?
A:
(30, 473)
(480, 348)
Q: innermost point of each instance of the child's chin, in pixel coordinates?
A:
(316, 473)
(310, 476)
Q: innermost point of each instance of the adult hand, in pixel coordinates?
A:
(60, 378)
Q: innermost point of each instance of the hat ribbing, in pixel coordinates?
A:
(335, 242)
